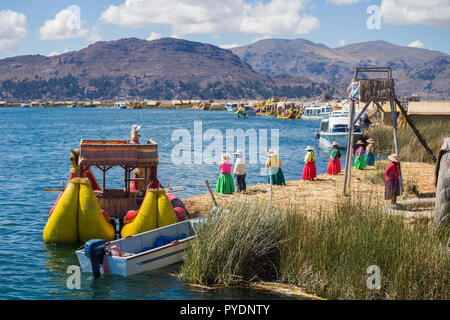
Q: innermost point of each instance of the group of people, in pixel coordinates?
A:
(364, 156)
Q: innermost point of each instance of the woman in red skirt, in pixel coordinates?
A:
(334, 164)
(309, 170)
(392, 179)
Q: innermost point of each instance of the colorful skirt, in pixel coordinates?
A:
(309, 171)
(370, 159)
(276, 178)
(334, 166)
(225, 183)
(391, 189)
(360, 163)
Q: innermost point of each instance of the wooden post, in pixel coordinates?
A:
(394, 125)
(348, 155)
(211, 193)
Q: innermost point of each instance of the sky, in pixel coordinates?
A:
(51, 27)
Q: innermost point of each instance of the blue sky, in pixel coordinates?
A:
(54, 27)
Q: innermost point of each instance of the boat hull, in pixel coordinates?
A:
(147, 260)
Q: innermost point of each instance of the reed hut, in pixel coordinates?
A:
(442, 205)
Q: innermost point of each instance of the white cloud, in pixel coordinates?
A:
(230, 46)
(343, 2)
(154, 36)
(94, 35)
(434, 13)
(416, 44)
(205, 16)
(66, 25)
(342, 42)
(57, 53)
(13, 30)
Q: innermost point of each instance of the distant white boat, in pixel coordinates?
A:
(315, 112)
(335, 128)
(121, 105)
(231, 107)
(139, 253)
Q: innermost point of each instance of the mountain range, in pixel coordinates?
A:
(416, 71)
(175, 68)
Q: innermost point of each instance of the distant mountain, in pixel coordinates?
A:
(159, 69)
(416, 71)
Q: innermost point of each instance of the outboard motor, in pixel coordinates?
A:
(95, 250)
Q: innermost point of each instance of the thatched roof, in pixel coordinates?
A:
(429, 108)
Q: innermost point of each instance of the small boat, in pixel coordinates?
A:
(290, 115)
(232, 107)
(315, 112)
(120, 105)
(141, 252)
(24, 105)
(335, 128)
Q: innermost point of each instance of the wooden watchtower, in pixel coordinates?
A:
(376, 90)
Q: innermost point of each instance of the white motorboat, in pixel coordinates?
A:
(141, 252)
(232, 107)
(315, 112)
(335, 128)
(120, 105)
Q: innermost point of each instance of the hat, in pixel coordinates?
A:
(226, 156)
(371, 140)
(394, 158)
(309, 148)
(238, 152)
(360, 142)
(271, 153)
(335, 143)
(135, 128)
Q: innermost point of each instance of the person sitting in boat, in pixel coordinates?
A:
(309, 170)
(135, 134)
(360, 157)
(392, 179)
(273, 169)
(225, 183)
(370, 152)
(240, 171)
(334, 164)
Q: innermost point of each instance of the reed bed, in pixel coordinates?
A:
(410, 148)
(327, 253)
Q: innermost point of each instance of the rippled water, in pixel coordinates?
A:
(35, 145)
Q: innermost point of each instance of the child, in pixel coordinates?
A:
(309, 170)
(240, 171)
(273, 169)
(370, 155)
(334, 164)
(360, 158)
(225, 183)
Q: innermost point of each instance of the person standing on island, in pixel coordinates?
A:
(240, 171)
(334, 164)
(273, 169)
(392, 179)
(360, 157)
(309, 170)
(135, 134)
(370, 152)
(225, 183)
(240, 111)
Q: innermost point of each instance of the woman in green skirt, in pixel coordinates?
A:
(225, 183)
(273, 169)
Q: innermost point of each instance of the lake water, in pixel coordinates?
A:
(35, 146)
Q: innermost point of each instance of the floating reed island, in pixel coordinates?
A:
(312, 238)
